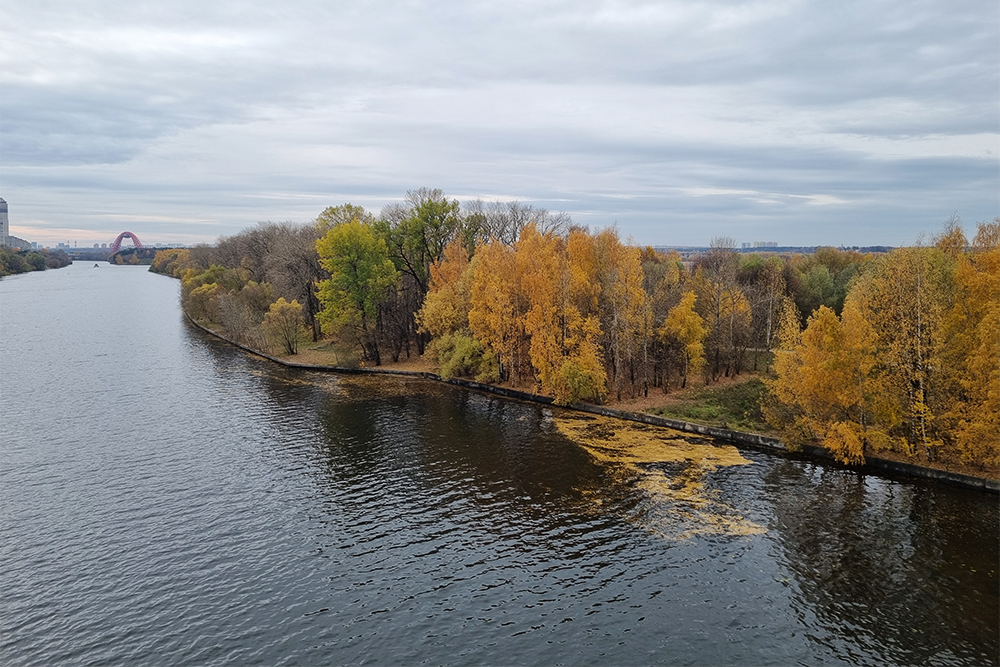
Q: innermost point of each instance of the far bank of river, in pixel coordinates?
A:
(873, 464)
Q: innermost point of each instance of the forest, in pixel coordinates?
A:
(23, 261)
(863, 353)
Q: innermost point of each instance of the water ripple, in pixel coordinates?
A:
(195, 506)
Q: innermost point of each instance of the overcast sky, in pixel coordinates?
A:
(843, 123)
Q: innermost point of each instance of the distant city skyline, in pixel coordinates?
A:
(797, 123)
(105, 244)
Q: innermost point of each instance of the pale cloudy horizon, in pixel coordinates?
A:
(802, 123)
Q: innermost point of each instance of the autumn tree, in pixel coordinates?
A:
(563, 340)
(911, 365)
(284, 256)
(540, 264)
(582, 374)
(445, 316)
(970, 344)
(249, 249)
(905, 294)
(283, 325)
(623, 313)
(294, 270)
(685, 327)
(823, 378)
(497, 309)
(173, 262)
(202, 302)
(361, 274)
(724, 307)
(241, 312)
(193, 278)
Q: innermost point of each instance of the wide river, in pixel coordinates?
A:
(166, 499)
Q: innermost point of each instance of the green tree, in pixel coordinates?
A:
(332, 216)
(361, 275)
(36, 260)
(416, 238)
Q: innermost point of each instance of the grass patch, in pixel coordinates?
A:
(734, 406)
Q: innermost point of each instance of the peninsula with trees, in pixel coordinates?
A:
(864, 353)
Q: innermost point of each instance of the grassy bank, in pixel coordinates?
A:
(734, 405)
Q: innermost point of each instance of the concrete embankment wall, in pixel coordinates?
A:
(738, 438)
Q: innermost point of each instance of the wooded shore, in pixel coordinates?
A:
(885, 354)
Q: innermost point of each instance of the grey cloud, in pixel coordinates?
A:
(843, 117)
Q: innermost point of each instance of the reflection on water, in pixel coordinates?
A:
(873, 558)
(189, 504)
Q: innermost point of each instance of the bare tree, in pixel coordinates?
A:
(294, 269)
(504, 220)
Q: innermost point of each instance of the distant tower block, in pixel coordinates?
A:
(117, 245)
(4, 223)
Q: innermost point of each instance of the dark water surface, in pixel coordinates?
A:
(166, 499)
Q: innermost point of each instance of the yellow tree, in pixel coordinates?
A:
(684, 325)
(583, 286)
(822, 379)
(622, 307)
(581, 374)
(202, 302)
(563, 347)
(904, 295)
(970, 345)
(540, 264)
(531, 304)
(497, 309)
(445, 315)
(448, 301)
(284, 326)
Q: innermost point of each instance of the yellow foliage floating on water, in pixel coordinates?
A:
(679, 506)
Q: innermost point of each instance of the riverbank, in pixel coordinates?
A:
(13, 262)
(421, 369)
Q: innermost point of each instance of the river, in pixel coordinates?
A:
(166, 499)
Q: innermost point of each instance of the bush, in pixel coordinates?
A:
(459, 354)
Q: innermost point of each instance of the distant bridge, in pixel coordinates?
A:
(117, 245)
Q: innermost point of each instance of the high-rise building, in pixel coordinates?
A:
(6, 240)
(4, 223)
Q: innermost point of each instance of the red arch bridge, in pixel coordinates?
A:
(117, 245)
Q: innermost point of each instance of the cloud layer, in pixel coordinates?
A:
(800, 122)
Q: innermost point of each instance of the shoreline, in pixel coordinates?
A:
(872, 465)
